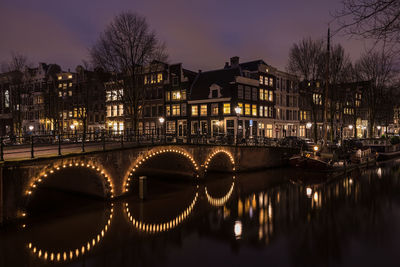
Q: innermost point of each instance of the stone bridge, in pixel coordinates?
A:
(111, 174)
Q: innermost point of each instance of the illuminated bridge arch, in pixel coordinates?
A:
(154, 228)
(151, 154)
(215, 153)
(71, 254)
(220, 202)
(50, 171)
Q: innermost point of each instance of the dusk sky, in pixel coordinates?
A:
(200, 34)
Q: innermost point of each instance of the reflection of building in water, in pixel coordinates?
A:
(74, 253)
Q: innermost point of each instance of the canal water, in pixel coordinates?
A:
(279, 217)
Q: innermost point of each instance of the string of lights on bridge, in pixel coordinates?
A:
(155, 153)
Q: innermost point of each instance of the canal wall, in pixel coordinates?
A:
(116, 169)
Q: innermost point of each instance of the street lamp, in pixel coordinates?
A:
(31, 128)
(162, 120)
(238, 111)
(351, 127)
(72, 127)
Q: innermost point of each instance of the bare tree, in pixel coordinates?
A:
(375, 19)
(304, 59)
(124, 48)
(17, 62)
(380, 70)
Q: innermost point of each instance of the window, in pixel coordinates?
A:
(214, 109)
(183, 109)
(195, 110)
(170, 127)
(261, 94)
(176, 110)
(121, 109)
(227, 108)
(70, 93)
(168, 110)
(176, 95)
(183, 94)
(270, 95)
(154, 111)
(146, 80)
(271, 82)
(203, 110)
(175, 81)
(168, 96)
(159, 77)
(254, 94)
(247, 109)
(317, 99)
(261, 79)
(240, 91)
(214, 93)
(261, 111)
(254, 110)
(240, 105)
(269, 130)
(195, 127)
(6, 99)
(247, 93)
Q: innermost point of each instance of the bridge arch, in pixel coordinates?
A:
(151, 154)
(78, 251)
(154, 228)
(221, 201)
(49, 171)
(210, 158)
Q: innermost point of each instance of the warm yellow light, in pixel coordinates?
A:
(316, 148)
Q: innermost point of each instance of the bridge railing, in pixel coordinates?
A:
(52, 144)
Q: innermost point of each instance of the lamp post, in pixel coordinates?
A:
(379, 130)
(238, 111)
(308, 126)
(31, 127)
(162, 120)
(351, 129)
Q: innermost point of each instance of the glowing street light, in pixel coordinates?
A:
(351, 127)
(308, 191)
(308, 125)
(161, 119)
(238, 110)
(378, 127)
(31, 128)
(72, 127)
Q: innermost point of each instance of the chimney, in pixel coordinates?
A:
(234, 62)
(199, 71)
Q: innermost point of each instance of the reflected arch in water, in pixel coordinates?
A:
(209, 160)
(75, 253)
(154, 228)
(221, 201)
(153, 154)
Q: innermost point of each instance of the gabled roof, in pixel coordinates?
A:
(222, 77)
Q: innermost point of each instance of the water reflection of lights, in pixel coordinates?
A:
(379, 172)
(72, 253)
(152, 154)
(219, 202)
(161, 227)
(308, 191)
(237, 229)
(217, 152)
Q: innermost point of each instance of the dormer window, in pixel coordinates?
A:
(215, 91)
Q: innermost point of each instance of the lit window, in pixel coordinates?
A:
(247, 109)
(214, 109)
(183, 94)
(146, 81)
(70, 85)
(265, 111)
(203, 110)
(176, 110)
(59, 77)
(261, 79)
(176, 95)
(168, 96)
(70, 76)
(121, 109)
(261, 111)
(195, 110)
(171, 127)
(159, 77)
(168, 111)
(70, 93)
(254, 110)
(240, 105)
(227, 108)
(261, 94)
(60, 85)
